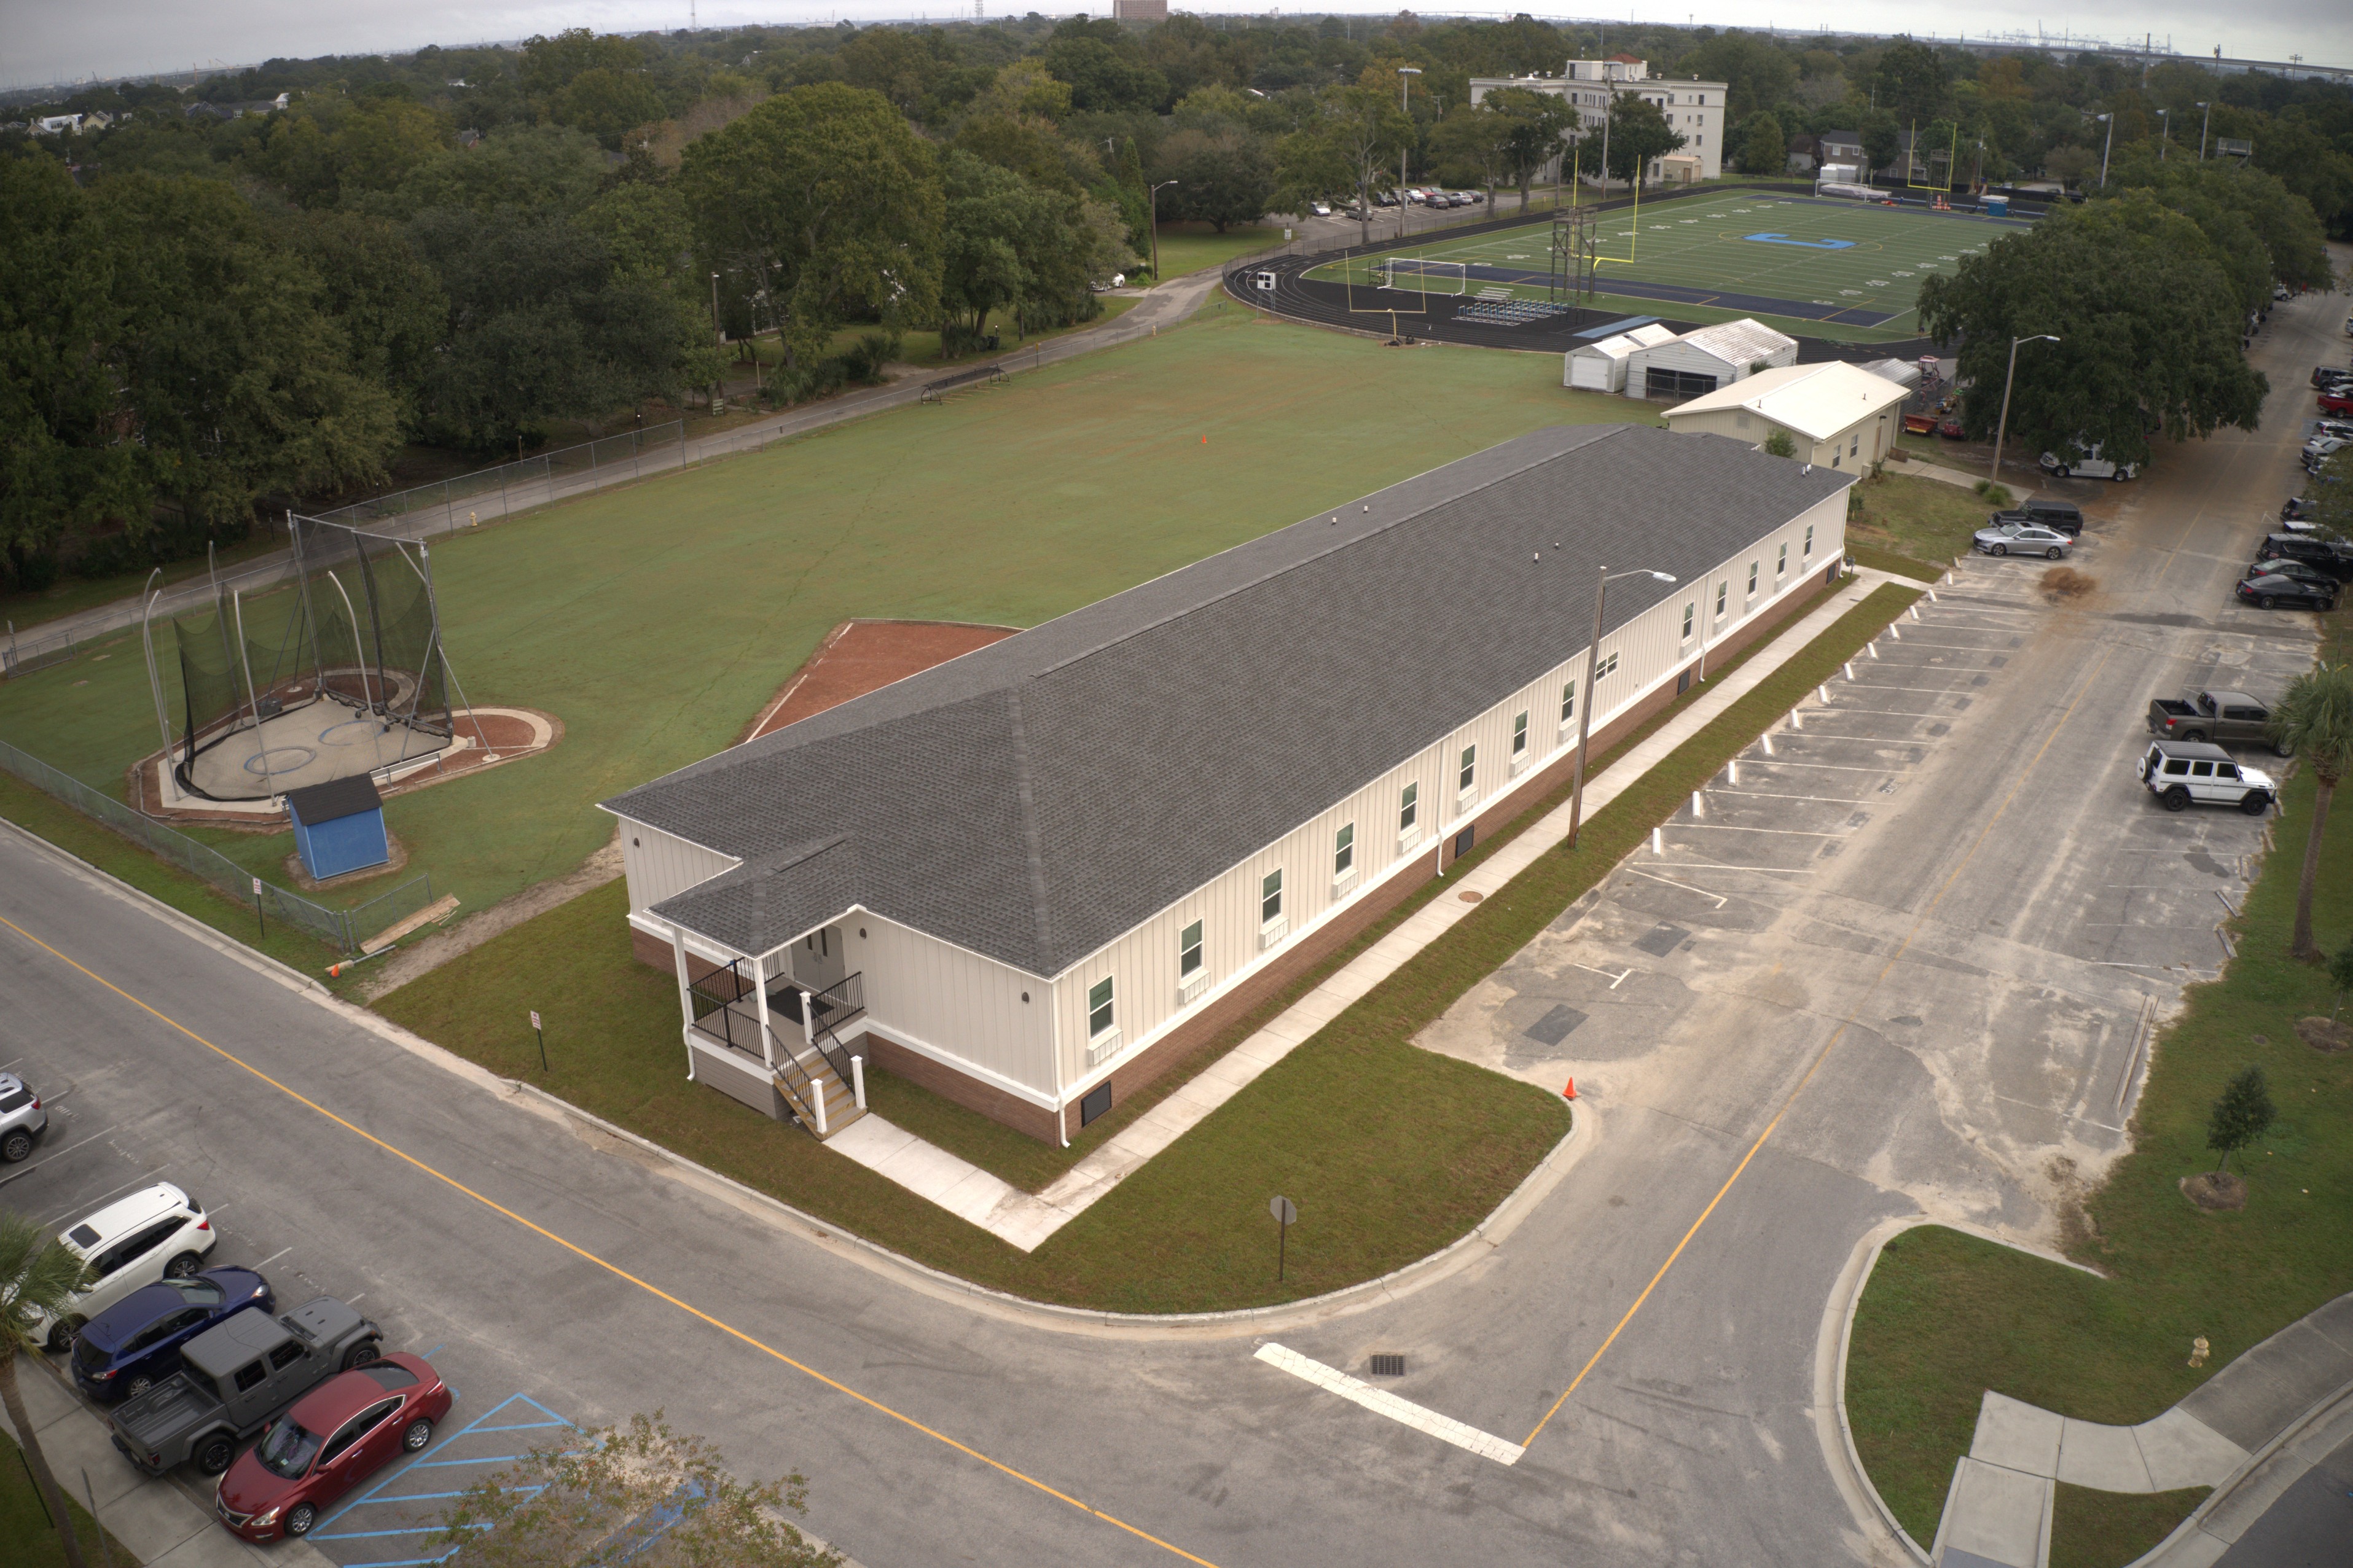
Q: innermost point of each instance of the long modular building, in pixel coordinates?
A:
(1033, 878)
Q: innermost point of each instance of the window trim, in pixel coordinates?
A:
(1781, 565)
(1344, 852)
(1690, 618)
(1752, 578)
(1106, 1008)
(1520, 735)
(1410, 806)
(1190, 944)
(1269, 898)
(1466, 774)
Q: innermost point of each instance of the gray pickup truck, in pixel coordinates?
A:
(2211, 716)
(235, 1378)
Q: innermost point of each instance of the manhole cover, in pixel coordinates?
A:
(1471, 895)
(1555, 1025)
(1662, 939)
(1388, 1366)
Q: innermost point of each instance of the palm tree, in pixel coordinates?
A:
(2315, 720)
(39, 1279)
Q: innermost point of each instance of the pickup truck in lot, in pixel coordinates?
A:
(235, 1378)
(2210, 716)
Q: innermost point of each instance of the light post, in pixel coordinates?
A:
(2164, 133)
(2001, 428)
(1584, 707)
(1405, 106)
(1154, 198)
(2106, 148)
(2204, 121)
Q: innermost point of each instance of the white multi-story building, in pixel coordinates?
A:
(1694, 109)
(1035, 877)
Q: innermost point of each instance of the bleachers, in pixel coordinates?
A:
(1492, 312)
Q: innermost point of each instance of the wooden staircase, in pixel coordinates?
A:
(801, 1088)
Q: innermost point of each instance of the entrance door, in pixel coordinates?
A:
(818, 960)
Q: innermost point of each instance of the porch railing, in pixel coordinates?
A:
(719, 1003)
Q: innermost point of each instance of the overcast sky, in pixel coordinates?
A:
(56, 40)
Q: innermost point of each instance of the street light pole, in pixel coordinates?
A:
(2164, 133)
(2002, 427)
(2106, 148)
(1405, 108)
(1154, 198)
(1584, 704)
(2204, 121)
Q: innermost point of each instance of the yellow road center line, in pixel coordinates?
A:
(613, 1269)
(1823, 1055)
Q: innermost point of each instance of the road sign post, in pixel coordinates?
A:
(1284, 1212)
(260, 924)
(541, 1035)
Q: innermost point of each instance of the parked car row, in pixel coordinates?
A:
(197, 1362)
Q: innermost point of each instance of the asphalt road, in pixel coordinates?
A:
(1915, 989)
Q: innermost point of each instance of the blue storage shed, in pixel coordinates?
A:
(339, 827)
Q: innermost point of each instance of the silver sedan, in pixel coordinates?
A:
(2023, 539)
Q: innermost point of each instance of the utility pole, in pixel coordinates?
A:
(2165, 132)
(2001, 428)
(1406, 109)
(2207, 120)
(1153, 196)
(2106, 148)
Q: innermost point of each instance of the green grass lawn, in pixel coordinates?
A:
(1945, 1315)
(656, 619)
(32, 1542)
(1390, 1151)
(1190, 246)
(1925, 521)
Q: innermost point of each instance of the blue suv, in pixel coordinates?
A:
(135, 1343)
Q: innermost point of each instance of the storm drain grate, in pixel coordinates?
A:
(1388, 1366)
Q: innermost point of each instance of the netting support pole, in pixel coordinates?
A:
(359, 648)
(441, 651)
(155, 679)
(238, 602)
(310, 620)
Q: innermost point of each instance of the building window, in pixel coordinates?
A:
(1781, 566)
(1606, 668)
(1344, 852)
(1520, 735)
(1470, 769)
(1270, 896)
(1721, 590)
(1408, 807)
(1752, 579)
(1099, 1008)
(1568, 704)
(1809, 542)
(1691, 614)
(1854, 446)
(1189, 951)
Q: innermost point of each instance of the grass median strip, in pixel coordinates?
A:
(1390, 1151)
(1945, 1317)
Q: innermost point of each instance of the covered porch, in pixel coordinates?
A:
(777, 1031)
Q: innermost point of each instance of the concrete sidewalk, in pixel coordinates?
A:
(159, 1521)
(1026, 1219)
(2251, 1432)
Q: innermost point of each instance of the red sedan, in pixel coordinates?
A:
(335, 1437)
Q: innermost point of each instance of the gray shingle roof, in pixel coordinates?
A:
(1036, 798)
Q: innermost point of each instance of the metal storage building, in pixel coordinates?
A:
(1706, 358)
(1033, 877)
(339, 827)
(1602, 366)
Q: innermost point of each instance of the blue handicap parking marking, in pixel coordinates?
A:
(393, 1523)
(1808, 244)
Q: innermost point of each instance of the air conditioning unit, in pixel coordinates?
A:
(1103, 1048)
(1273, 931)
(1190, 991)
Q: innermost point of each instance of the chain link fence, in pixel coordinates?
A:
(343, 930)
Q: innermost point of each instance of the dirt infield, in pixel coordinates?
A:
(859, 656)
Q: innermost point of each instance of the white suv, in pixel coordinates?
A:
(152, 1234)
(2180, 773)
(2089, 463)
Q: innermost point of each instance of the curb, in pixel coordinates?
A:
(2194, 1525)
(1423, 1271)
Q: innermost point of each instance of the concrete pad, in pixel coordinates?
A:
(926, 1170)
(1029, 1228)
(1994, 1514)
(2017, 1435)
(1151, 1134)
(151, 1521)
(1288, 1029)
(975, 1197)
(1201, 1094)
(1232, 1071)
(2107, 1457)
(2183, 1451)
(870, 1139)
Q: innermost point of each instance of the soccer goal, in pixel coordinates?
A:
(1418, 275)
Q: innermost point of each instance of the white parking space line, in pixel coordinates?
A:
(1786, 832)
(1718, 866)
(93, 1205)
(272, 1257)
(1836, 708)
(1867, 740)
(1616, 979)
(1778, 761)
(53, 1157)
(1720, 900)
(1383, 1402)
(1932, 690)
(1768, 795)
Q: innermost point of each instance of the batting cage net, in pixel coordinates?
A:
(338, 672)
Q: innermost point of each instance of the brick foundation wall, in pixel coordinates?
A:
(1295, 957)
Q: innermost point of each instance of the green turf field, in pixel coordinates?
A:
(1838, 263)
(655, 620)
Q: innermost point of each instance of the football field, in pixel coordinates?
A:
(1804, 264)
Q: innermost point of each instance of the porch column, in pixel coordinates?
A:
(685, 1001)
(760, 990)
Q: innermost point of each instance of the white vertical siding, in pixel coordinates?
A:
(659, 866)
(955, 1005)
(1651, 650)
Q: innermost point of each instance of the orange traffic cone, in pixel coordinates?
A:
(1570, 1092)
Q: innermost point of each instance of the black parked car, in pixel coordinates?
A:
(2062, 515)
(135, 1343)
(2288, 592)
(2282, 568)
(2295, 509)
(2321, 555)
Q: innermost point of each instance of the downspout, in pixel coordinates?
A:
(1054, 1045)
(685, 1000)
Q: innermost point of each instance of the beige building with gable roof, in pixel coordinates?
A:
(1837, 415)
